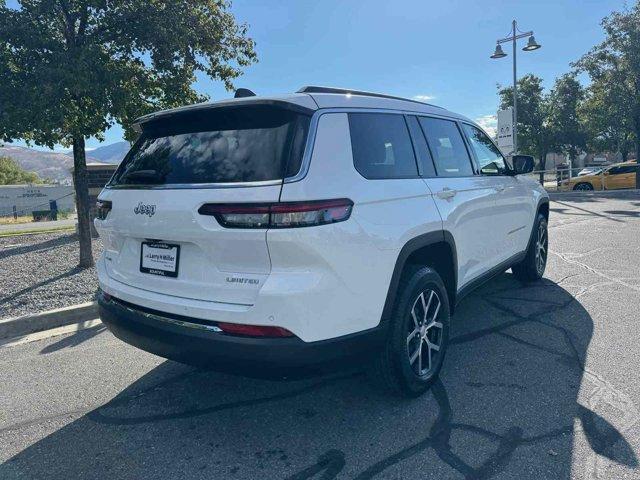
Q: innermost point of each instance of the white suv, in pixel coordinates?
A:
(297, 231)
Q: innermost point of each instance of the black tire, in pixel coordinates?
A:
(532, 267)
(584, 186)
(392, 368)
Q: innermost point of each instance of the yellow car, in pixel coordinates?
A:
(621, 175)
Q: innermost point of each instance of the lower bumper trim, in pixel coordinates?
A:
(200, 342)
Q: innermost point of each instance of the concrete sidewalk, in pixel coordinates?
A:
(591, 194)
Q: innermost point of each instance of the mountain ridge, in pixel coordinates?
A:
(111, 153)
(57, 166)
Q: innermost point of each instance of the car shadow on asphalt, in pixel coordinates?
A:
(624, 213)
(513, 395)
(71, 341)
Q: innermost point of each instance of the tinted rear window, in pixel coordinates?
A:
(246, 144)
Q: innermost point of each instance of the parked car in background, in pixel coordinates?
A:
(615, 177)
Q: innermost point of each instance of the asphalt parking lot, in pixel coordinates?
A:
(541, 381)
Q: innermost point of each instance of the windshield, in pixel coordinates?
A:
(246, 144)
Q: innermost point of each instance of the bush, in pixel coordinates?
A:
(12, 174)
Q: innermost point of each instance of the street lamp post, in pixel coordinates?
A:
(499, 53)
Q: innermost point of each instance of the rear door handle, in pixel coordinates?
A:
(446, 193)
(499, 188)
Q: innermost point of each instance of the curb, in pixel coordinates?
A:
(632, 194)
(26, 324)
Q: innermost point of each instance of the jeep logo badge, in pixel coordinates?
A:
(143, 209)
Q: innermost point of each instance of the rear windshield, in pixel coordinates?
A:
(242, 144)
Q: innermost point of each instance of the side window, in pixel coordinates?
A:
(489, 158)
(627, 169)
(614, 171)
(447, 147)
(381, 146)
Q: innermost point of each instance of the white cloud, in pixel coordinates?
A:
(423, 98)
(489, 123)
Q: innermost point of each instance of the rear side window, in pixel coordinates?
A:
(246, 144)
(381, 146)
(447, 147)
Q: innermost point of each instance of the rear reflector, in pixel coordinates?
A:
(279, 215)
(103, 207)
(254, 330)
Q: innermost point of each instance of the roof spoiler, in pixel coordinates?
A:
(201, 108)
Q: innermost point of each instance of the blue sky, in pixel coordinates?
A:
(437, 50)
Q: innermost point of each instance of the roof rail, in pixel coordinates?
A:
(348, 91)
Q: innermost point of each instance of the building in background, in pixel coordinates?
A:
(22, 200)
(98, 174)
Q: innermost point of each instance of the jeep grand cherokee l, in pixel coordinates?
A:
(306, 229)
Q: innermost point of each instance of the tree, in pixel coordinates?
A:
(616, 61)
(606, 117)
(535, 135)
(12, 174)
(564, 120)
(72, 68)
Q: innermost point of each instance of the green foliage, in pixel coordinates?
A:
(535, 134)
(606, 117)
(71, 68)
(12, 174)
(614, 68)
(564, 120)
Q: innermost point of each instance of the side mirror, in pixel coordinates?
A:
(522, 164)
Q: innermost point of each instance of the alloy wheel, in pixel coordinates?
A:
(424, 340)
(542, 244)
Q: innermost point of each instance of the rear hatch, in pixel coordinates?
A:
(154, 237)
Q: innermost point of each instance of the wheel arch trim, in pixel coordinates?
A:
(543, 201)
(413, 245)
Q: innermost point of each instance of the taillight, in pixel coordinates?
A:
(103, 208)
(279, 215)
(254, 330)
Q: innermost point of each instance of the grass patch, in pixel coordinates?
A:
(22, 219)
(16, 221)
(32, 231)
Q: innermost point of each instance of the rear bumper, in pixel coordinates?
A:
(196, 342)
